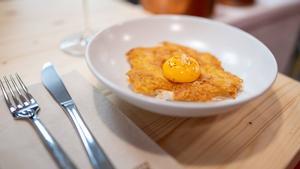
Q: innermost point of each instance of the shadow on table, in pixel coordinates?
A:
(123, 129)
(210, 140)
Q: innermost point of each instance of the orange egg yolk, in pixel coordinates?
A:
(181, 68)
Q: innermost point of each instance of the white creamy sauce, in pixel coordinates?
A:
(164, 95)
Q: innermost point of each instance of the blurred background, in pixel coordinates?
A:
(275, 22)
(42, 29)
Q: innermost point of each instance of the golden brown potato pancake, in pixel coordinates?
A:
(146, 76)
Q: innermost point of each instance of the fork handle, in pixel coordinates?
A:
(62, 160)
(95, 153)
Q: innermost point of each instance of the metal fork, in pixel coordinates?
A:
(22, 105)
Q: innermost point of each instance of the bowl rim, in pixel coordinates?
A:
(173, 103)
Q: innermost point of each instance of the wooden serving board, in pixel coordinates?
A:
(264, 133)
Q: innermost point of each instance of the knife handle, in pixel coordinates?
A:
(95, 153)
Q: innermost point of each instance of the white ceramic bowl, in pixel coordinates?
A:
(239, 52)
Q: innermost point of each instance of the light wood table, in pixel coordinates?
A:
(264, 134)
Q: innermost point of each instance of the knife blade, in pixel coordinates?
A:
(54, 84)
(58, 91)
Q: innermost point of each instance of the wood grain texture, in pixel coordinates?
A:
(263, 134)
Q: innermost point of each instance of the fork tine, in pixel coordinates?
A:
(4, 91)
(20, 95)
(7, 100)
(28, 95)
(18, 104)
(21, 83)
(9, 87)
(14, 84)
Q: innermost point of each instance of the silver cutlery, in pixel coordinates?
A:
(23, 106)
(57, 89)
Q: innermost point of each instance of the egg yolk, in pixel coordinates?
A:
(181, 68)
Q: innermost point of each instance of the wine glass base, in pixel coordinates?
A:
(74, 45)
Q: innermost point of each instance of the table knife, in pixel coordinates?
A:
(58, 91)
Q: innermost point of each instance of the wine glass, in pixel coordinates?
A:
(75, 44)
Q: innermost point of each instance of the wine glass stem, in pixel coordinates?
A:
(86, 19)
